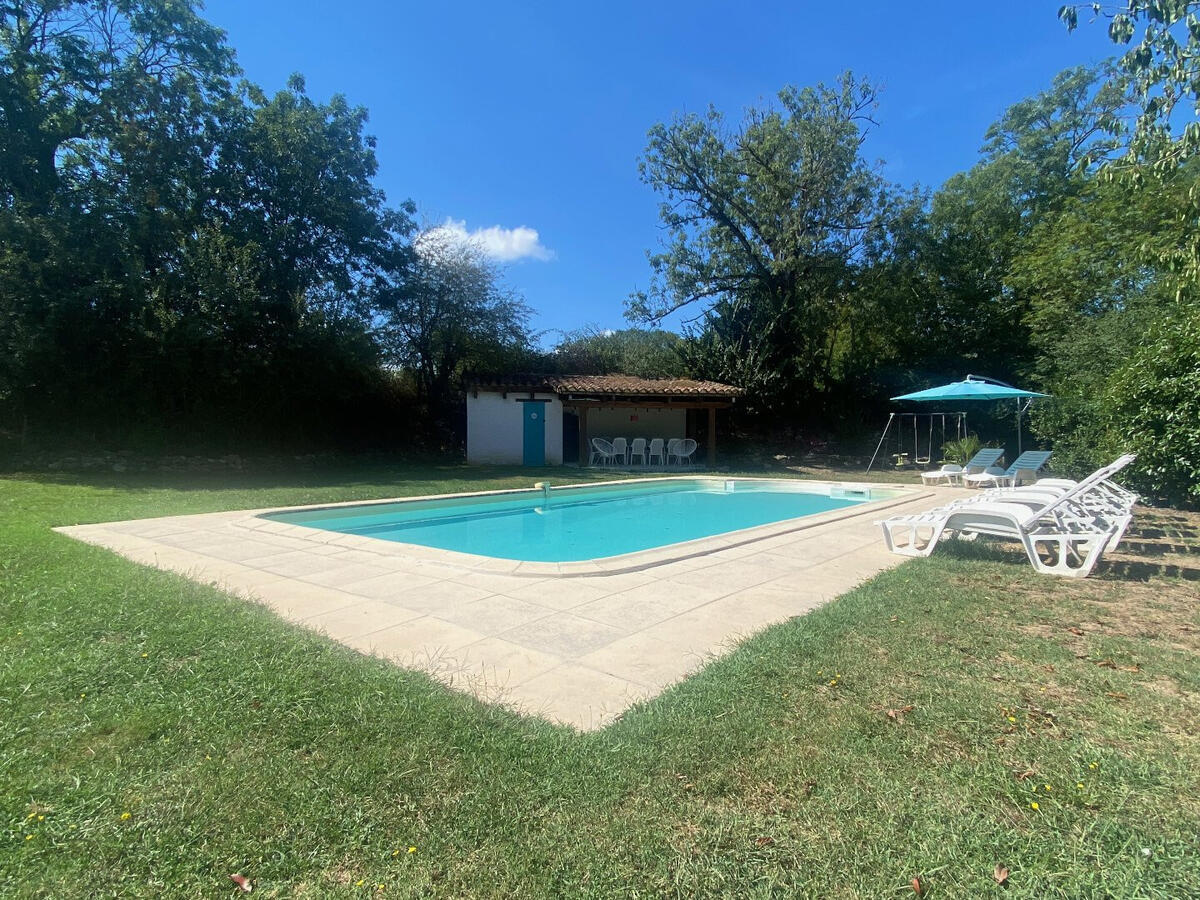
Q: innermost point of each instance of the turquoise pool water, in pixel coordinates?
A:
(573, 524)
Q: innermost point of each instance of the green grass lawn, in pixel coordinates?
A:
(954, 715)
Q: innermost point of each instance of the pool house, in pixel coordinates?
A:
(540, 420)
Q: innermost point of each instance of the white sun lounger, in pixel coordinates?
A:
(1094, 506)
(949, 472)
(1100, 495)
(1115, 494)
(1063, 528)
(1024, 467)
(1104, 497)
(952, 473)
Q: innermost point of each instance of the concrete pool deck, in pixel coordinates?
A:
(575, 643)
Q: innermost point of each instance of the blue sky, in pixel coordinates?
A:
(509, 116)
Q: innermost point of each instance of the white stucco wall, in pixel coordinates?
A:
(496, 430)
(651, 423)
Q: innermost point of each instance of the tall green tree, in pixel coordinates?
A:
(294, 178)
(1106, 317)
(1156, 397)
(1033, 164)
(175, 249)
(765, 220)
(1162, 66)
(449, 311)
(76, 75)
(107, 111)
(1162, 63)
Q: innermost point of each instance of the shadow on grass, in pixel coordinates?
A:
(347, 473)
(1176, 532)
(981, 550)
(1158, 548)
(1138, 559)
(1139, 570)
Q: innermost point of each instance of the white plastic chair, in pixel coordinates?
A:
(656, 452)
(1024, 468)
(621, 450)
(637, 450)
(673, 450)
(685, 450)
(602, 452)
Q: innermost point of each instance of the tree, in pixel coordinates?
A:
(447, 311)
(981, 218)
(294, 179)
(1094, 294)
(765, 221)
(1102, 304)
(107, 111)
(1163, 65)
(895, 322)
(175, 250)
(1156, 398)
(75, 74)
(931, 294)
(647, 353)
(1047, 141)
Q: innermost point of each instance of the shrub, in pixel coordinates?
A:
(963, 449)
(1155, 401)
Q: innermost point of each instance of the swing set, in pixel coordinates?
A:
(953, 427)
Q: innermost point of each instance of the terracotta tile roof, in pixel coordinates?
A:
(629, 384)
(623, 385)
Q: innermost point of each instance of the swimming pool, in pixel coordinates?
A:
(590, 522)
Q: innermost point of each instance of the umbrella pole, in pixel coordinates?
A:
(1018, 426)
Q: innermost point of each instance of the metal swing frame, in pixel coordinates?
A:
(960, 425)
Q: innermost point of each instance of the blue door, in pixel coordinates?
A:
(535, 434)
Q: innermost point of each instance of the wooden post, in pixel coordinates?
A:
(712, 437)
(585, 450)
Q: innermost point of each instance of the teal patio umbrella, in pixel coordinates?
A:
(975, 387)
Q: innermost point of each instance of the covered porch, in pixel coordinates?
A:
(611, 407)
(537, 420)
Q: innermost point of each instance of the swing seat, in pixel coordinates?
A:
(914, 457)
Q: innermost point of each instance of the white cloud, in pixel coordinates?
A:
(502, 244)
